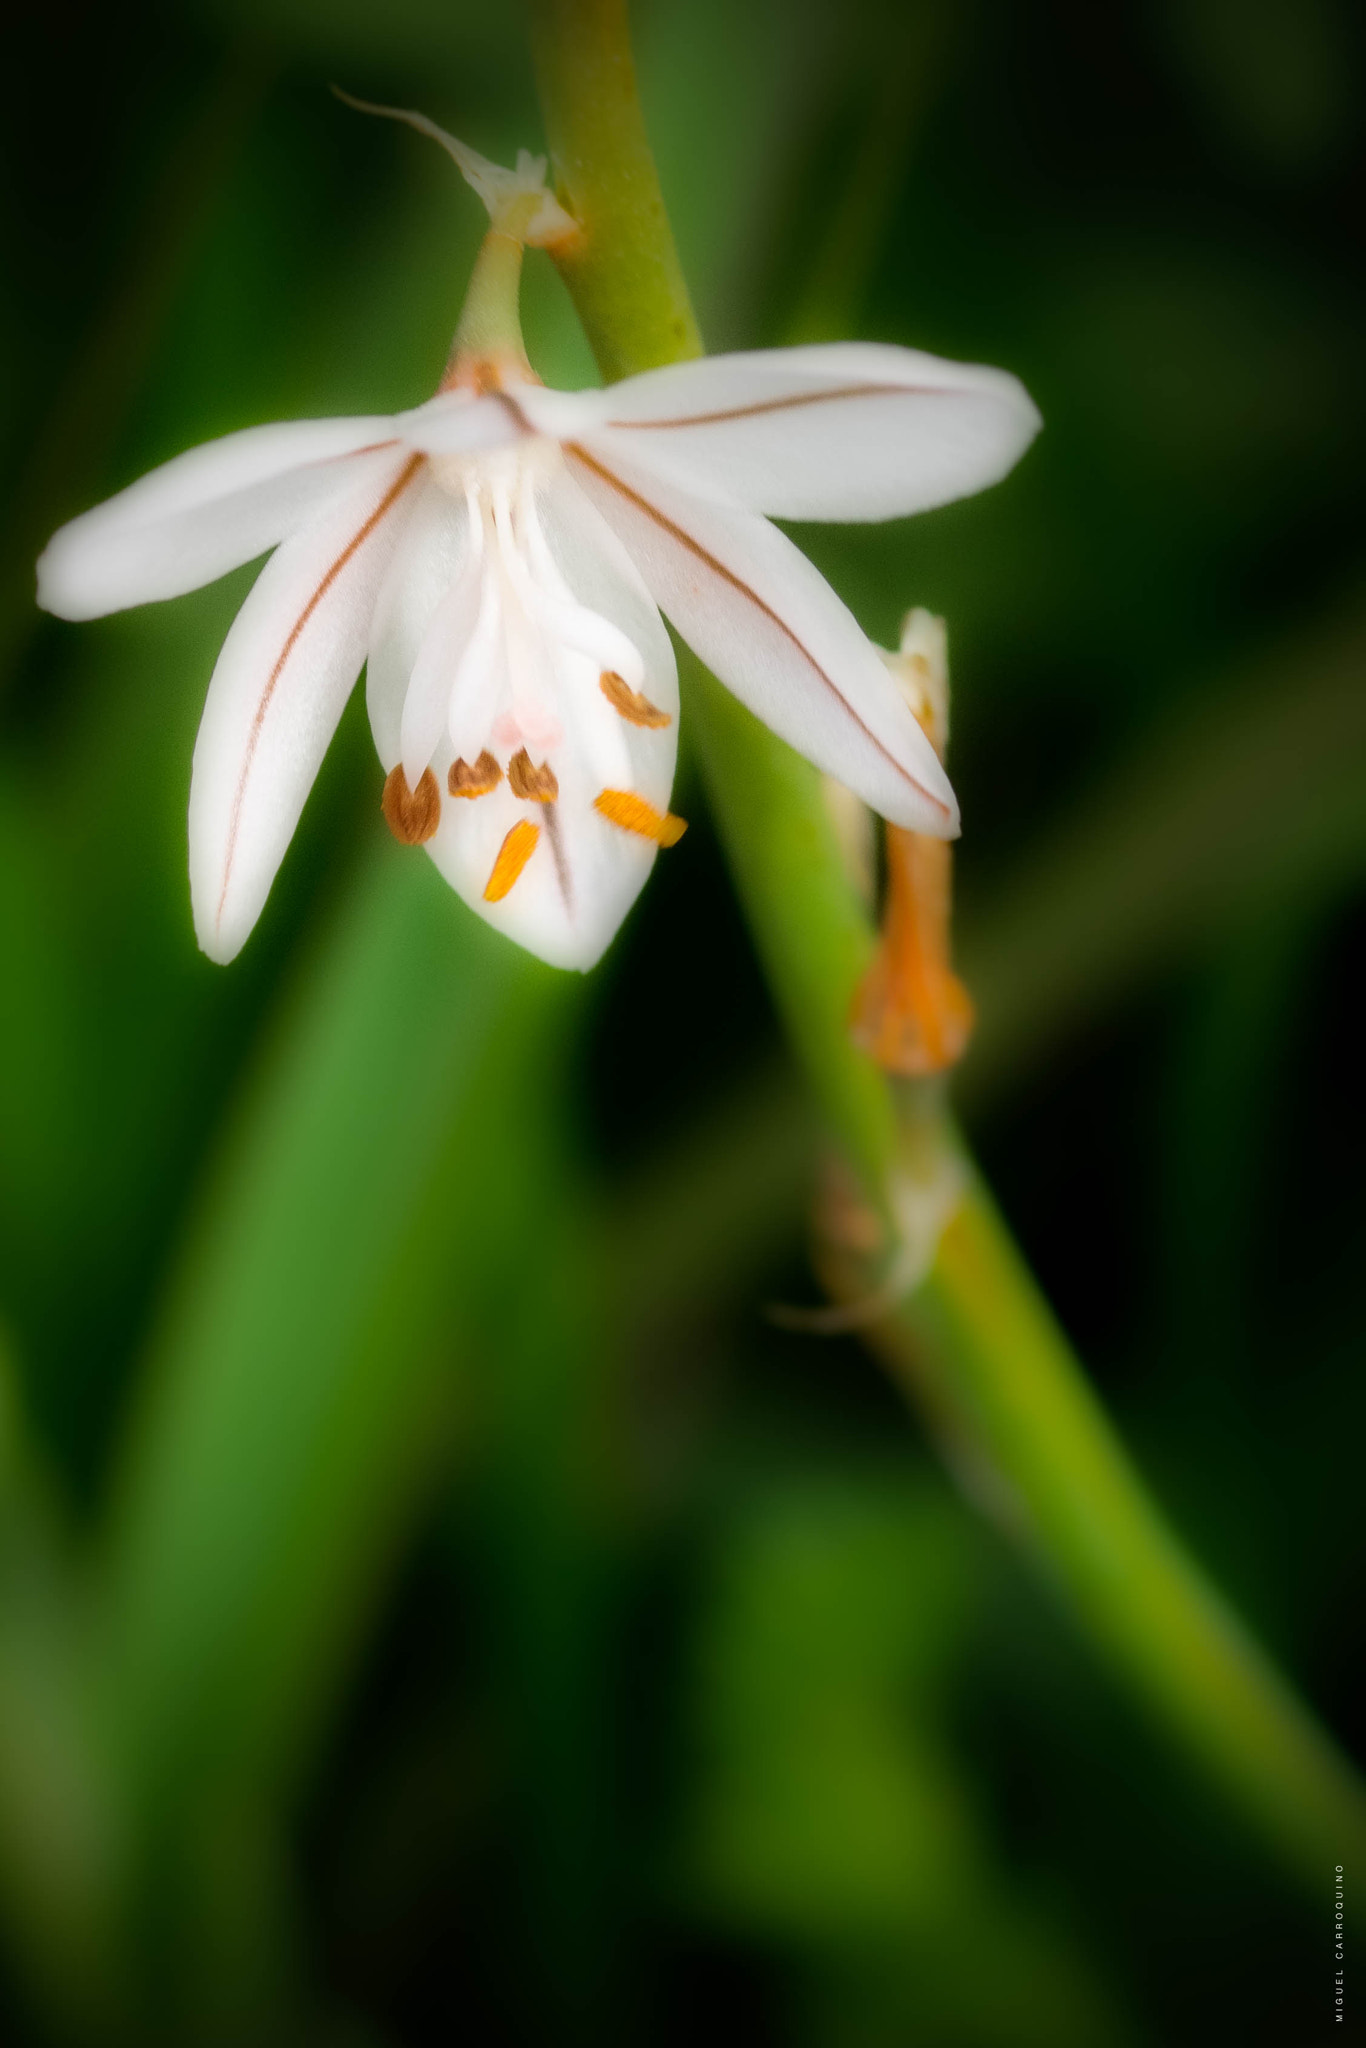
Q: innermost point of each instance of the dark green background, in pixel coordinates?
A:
(434, 1602)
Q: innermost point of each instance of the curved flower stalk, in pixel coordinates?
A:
(500, 557)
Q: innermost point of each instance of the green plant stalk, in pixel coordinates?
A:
(812, 934)
(976, 1342)
(624, 271)
(979, 1348)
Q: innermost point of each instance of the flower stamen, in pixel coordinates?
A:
(412, 815)
(533, 785)
(631, 812)
(634, 706)
(479, 779)
(513, 855)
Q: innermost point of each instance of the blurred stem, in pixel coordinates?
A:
(811, 931)
(976, 1342)
(981, 1351)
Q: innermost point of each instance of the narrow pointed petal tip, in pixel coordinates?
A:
(200, 515)
(228, 501)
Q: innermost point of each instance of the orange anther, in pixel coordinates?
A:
(623, 807)
(513, 855)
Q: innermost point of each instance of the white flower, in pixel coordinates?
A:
(500, 557)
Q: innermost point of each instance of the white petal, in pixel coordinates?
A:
(855, 430)
(773, 631)
(595, 637)
(206, 512)
(604, 579)
(436, 672)
(424, 615)
(281, 682)
(476, 683)
(421, 571)
(461, 423)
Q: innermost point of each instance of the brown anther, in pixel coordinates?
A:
(635, 708)
(911, 1012)
(462, 779)
(534, 785)
(631, 812)
(513, 855)
(412, 815)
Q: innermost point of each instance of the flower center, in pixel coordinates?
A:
(511, 650)
(519, 687)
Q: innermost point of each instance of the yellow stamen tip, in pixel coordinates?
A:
(631, 812)
(513, 855)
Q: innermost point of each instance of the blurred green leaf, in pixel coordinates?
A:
(1276, 75)
(63, 1845)
(312, 1360)
(829, 1813)
(1253, 799)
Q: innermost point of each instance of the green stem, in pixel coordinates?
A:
(624, 274)
(978, 1347)
(785, 861)
(976, 1343)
